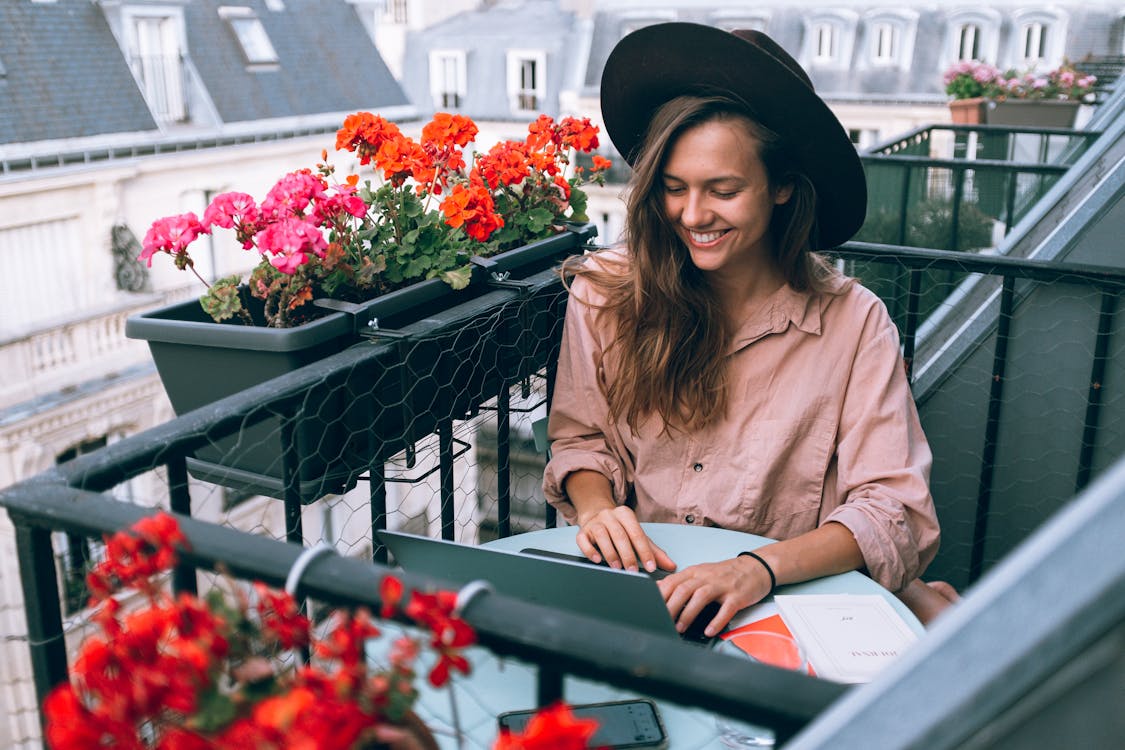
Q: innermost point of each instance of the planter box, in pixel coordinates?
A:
(200, 361)
(1040, 113)
(967, 111)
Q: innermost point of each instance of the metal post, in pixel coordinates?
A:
(291, 480)
(503, 461)
(1094, 397)
(179, 500)
(991, 429)
(445, 450)
(41, 604)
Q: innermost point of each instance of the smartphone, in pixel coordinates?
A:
(621, 724)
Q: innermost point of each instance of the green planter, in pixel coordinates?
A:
(200, 361)
(1038, 113)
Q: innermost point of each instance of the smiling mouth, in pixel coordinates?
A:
(706, 238)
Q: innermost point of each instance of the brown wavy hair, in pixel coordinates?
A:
(668, 356)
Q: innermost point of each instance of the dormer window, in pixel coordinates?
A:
(447, 78)
(884, 43)
(972, 34)
(527, 78)
(395, 12)
(1039, 39)
(156, 44)
(826, 43)
(1034, 42)
(251, 34)
(829, 38)
(968, 42)
(890, 37)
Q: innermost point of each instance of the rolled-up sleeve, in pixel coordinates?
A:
(579, 420)
(883, 462)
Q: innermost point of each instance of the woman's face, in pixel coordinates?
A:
(718, 198)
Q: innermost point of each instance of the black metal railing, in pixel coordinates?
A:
(439, 378)
(957, 187)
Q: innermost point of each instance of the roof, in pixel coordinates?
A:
(54, 55)
(327, 62)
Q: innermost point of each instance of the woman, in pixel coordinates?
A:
(717, 371)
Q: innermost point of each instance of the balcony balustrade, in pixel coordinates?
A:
(440, 379)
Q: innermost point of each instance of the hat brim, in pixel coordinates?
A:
(660, 62)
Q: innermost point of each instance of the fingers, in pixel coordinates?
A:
(686, 593)
(615, 535)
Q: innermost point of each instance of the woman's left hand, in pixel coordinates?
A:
(735, 584)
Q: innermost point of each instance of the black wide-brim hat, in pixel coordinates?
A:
(660, 62)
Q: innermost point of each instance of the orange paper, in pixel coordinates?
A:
(766, 650)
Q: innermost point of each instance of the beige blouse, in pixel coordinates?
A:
(821, 427)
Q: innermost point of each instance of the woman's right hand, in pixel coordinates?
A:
(614, 534)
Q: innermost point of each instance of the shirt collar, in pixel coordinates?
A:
(785, 307)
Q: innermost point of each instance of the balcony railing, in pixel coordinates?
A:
(963, 187)
(439, 380)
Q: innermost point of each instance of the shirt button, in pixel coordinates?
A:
(689, 518)
(698, 467)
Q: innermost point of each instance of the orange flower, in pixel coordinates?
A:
(472, 207)
(505, 164)
(401, 157)
(364, 133)
(445, 129)
(601, 163)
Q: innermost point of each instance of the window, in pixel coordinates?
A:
(825, 41)
(395, 11)
(1039, 39)
(158, 65)
(526, 80)
(447, 78)
(884, 43)
(890, 37)
(829, 39)
(972, 34)
(251, 35)
(1034, 36)
(968, 42)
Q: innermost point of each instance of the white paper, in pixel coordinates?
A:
(846, 637)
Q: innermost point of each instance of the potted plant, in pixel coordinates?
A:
(227, 670)
(403, 240)
(982, 93)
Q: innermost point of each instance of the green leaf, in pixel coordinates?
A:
(215, 711)
(222, 300)
(458, 278)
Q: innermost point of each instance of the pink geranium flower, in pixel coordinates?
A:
(289, 242)
(172, 235)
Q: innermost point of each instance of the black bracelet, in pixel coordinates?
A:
(766, 565)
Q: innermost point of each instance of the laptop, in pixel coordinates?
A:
(568, 582)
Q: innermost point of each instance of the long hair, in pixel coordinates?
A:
(671, 332)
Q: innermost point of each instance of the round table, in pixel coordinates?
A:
(498, 685)
(691, 545)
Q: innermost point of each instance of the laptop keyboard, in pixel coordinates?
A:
(694, 632)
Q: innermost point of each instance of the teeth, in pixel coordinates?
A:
(704, 238)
